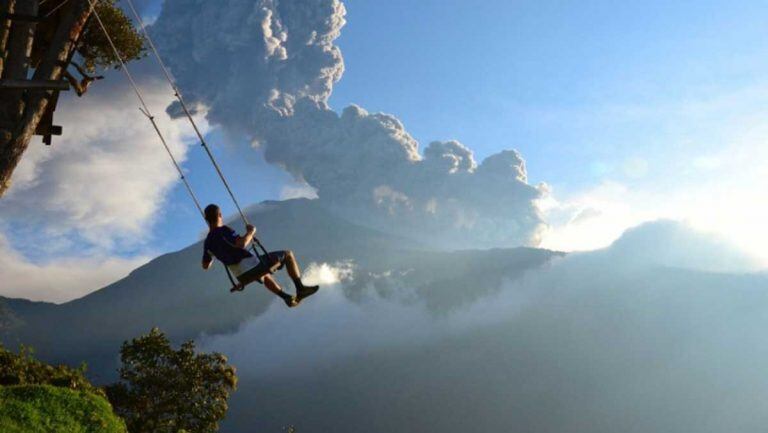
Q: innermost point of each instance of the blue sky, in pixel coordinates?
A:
(630, 111)
(644, 96)
(537, 75)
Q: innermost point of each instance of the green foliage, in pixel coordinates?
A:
(94, 48)
(48, 409)
(38, 397)
(163, 390)
(24, 369)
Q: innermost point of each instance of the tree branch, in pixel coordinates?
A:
(82, 85)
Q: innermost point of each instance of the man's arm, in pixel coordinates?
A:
(243, 241)
(207, 258)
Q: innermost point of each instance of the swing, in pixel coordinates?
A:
(266, 266)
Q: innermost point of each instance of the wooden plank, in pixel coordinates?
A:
(41, 129)
(34, 84)
(47, 119)
(45, 127)
(47, 139)
(52, 130)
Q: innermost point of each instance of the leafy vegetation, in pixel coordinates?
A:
(163, 390)
(38, 397)
(49, 409)
(94, 47)
(24, 369)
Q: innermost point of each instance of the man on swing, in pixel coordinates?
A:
(223, 243)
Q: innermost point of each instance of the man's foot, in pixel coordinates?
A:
(306, 291)
(291, 301)
(237, 288)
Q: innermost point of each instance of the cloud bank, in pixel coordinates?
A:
(347, 318)
(596, 342)
(265, 70)
(76, 207)
(59, 280)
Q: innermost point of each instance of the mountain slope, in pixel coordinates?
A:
(634, 338)
(588, 345)
(175, 294)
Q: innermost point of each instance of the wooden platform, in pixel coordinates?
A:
(45, 128)
(34, 85)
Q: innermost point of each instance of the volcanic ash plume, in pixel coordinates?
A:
(265, 70)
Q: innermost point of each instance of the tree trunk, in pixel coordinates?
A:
(6, 7)
(15, 139)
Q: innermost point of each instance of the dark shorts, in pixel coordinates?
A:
(267, 265)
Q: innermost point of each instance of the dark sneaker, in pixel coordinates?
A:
(306, 291)
(291, 301)
(237, 288)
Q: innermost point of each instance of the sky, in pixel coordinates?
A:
(624, 113)
(637, 111)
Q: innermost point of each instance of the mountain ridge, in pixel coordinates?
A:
(173, 293)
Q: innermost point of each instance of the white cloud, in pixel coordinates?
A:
(327, 274)
(731, 206)
(333, 327)
(297, 190)
(78, 205)
(108, 172)
(609, 212)
(59, 280)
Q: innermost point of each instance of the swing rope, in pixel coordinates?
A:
(148, 113)
(188, 114)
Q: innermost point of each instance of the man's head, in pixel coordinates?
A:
(213, 215)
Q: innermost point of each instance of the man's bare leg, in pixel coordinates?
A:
(275, 288)
(292, 267)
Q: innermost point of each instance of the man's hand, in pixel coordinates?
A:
(207, 264)
(243, 241)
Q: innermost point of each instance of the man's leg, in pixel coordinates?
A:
(275, 288)
(292, 267)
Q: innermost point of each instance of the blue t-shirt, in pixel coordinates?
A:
(220, 243)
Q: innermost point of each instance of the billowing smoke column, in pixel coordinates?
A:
(266, 68)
